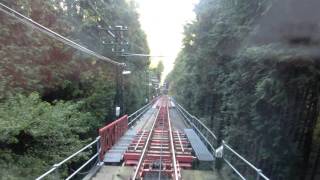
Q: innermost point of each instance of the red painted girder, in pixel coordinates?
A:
(185, 159)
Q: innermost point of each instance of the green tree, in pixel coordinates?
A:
(53, 97)
(260, 94)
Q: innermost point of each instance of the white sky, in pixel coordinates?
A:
(163, 21)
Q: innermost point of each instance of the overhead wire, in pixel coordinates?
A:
(99, 14)
(141, 55)
(109, 32)
(28, 21)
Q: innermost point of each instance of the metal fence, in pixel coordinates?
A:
(55, 167)
(137, 114)
(54, 171)
(210, 140)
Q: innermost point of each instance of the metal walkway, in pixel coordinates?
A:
(115, 154)
(160, 148)
(201, 151)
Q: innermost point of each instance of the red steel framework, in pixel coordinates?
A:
(111, 133)
(160, 151)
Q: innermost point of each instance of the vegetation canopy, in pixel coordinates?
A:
(53, 98)
(255, 82)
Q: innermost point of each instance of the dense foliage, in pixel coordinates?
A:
(254, 80)
(53, 97)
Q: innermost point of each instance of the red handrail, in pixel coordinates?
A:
(111, 133)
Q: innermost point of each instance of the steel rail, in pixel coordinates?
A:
(197, 129)
(184, 114)
(161, 152)
(145, 148)
(136, 146)
(176, 176)
(180, 141)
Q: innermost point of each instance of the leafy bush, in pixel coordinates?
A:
(34, 134)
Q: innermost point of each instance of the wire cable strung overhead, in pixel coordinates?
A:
(99, 14)
(111, 34)
(28, 21)
(141, 55)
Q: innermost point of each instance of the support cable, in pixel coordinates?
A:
(28, 21)
(141, 55)
(99, 14)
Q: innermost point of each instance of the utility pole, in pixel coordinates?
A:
(147, 86)
(118, 47)
(119, 42)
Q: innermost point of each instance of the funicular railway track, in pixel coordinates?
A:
(161, 152)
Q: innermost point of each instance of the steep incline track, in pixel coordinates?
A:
(161, 152)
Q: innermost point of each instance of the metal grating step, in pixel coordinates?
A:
(115, 154)
(201, 151)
